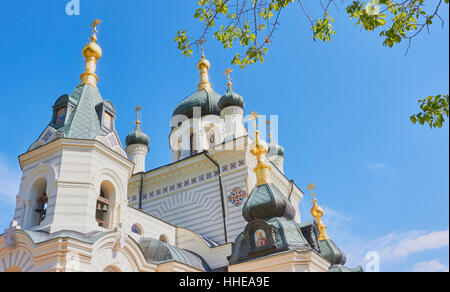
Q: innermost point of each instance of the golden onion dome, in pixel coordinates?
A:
(259, 147)
(316, 211)
(203, 63)
(92, 50)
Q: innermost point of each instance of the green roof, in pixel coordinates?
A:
(275, 149)
(84, 122)
(207, 101)
(84, 113)
(265, 202)
(231, 99)
(137, 137)
(159, 252)
(332, 253)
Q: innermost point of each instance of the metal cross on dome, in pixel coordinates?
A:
(268, 127)
(95, 24)
(137, 110)
(253, 117)
(227, 73)
(311, 187)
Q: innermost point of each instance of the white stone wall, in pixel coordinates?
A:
(233, 119)
(187, 194)
(202, 129)
(137, 154)
(74, 171)
(209, 131)
(150, 226)
(216, 257)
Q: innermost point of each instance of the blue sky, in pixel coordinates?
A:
(343, 110)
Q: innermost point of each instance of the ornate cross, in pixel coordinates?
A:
(95, 24)
(254, 116)
(227, 73)
(311, 187)
(137, 110)
(268, 127)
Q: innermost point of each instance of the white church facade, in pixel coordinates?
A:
(87, 204)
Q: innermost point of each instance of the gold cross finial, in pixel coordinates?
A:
(317, 212)
(137, 110)
(92, 52)
(95, 24)
(227, 73)
(268, 127)
(94, 29)
(253, 117)
(201, 43)
(311, 187)
(259, 148)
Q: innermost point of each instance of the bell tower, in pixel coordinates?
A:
(75, 175)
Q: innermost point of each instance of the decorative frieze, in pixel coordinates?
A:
(192, 181)
(77, 149)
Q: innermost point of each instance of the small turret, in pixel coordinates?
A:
(137, 146)
(230, 98)
(231, 106)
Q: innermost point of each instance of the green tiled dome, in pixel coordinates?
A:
(206, 100)
(275, 149)
(137, 137)
(332, 252)
(231, 99)
(158, 252)
(266, 202)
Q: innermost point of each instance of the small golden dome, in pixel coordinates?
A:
(259, 147)
(92, 50)
(316, 211)
(203, 63)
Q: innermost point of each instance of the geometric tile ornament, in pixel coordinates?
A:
(237, 197)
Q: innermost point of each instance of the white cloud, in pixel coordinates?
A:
(393, 247)
(431, 266)
(380, 168)
(377, 165)
(9, 183)
(337, 217)
(400, 245)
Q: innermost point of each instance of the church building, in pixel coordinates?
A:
(86, 202)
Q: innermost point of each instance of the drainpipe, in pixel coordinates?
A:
(221, 193)
(291, 182)
(141, 190)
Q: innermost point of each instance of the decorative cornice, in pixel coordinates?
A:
(73, 145)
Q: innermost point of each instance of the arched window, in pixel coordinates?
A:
(211, 138)
(136, 229)
(39, 202)
(163, 238)
(111, 269)
(193, 145)
(105, 205)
